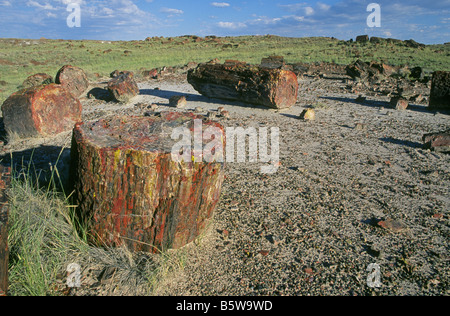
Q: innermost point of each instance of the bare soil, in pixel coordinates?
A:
(354, 187)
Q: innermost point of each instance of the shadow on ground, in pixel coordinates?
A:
(43, 165)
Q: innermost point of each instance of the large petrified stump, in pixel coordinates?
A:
(274, 88)
(130, 191)
(44, 110)
(440, 91)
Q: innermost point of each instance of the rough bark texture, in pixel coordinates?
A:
(73, 79)
(439, 142)
(440, 91)
(274, 88)
(123, 87)
(4, 252)
(44, 110)
(129, 189)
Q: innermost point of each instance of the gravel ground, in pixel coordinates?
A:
(354, 188)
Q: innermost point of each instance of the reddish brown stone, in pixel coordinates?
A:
(234, 80)
(130, 191)
(439, 142)
(37, 80)
(73, 79)
(440, 91)
(150, 73)
(44, 110)
(123, 87)
(399, 103)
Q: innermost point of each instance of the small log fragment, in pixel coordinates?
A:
(4, 251)
(73, 79)
(44, 110)
(128, 188)
(123, 87)
(237, 81)
(439, 142)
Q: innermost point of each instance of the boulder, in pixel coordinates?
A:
(123, 87)
(73, 79)
(44, 110)
(440, 91)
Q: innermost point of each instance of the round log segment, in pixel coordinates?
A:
(128, 188)
(73, 79)
(44, 110)
(237, 81)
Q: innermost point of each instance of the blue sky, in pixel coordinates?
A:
(424, 21)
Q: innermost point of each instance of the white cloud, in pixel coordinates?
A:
(232, 25)
(5, 3)
(309, 11)
(36, 4)
(220, 4)
(172, 11)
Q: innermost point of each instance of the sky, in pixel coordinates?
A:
(422, 20)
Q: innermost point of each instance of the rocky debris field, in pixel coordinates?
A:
(354, 187)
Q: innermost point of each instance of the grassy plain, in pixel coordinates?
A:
(21, 58)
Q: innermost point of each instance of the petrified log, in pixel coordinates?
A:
(274, 88)
(37, 80)
(44, 110)
(130, 191)
(439, 142)
(123, 87)
(440, 91)
(73, 79)
(4, 252)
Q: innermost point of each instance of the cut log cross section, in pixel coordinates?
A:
(129, 190)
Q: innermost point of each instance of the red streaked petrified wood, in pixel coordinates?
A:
(130, 191)
(44, 110)
(73, 79)
(274, 88)
(5, 177)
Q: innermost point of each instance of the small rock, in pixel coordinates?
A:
(399, 103)
(178, 101)
(308, 115)
(225, 114)
(199, 109)
(392, 225)
(152, 107)
(360, 126)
